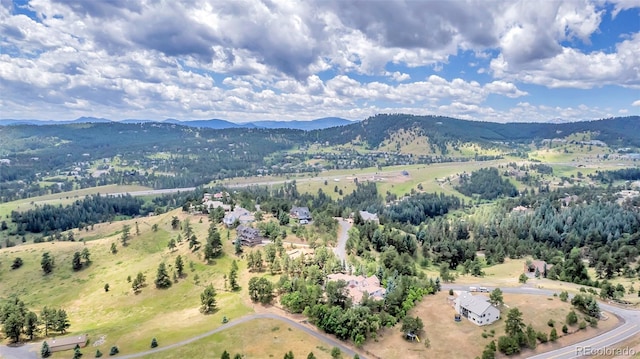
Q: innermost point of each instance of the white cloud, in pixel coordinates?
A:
(247, 59)
(636, 103)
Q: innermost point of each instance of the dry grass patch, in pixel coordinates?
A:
(441, 330)
(260, 339)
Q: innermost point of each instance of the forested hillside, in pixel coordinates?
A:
(442, 130)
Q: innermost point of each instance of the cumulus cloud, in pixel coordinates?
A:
(636, 103)
(301, 59)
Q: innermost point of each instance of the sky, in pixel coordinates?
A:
(246, 60)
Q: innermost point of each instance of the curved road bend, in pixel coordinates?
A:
(630, 326)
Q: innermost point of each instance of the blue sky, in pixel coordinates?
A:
(244, 60)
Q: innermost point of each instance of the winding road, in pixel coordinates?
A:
(630, 326)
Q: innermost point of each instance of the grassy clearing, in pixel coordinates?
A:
(261, 338)
(441, 330)
(127, 320)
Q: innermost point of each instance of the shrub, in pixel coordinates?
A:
(98, 353)
(565, 330)
(582, 325)
(572, 318)
(114, 350)
(154, 343)
(551, 323)
(553, 335)
(542, 337)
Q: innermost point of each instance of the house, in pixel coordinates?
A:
(209, 205)
(67, 343)
(249, 236)
(300, 213)
(368, 216)
(359, 286)
(240, 214)
(542, 267)
(476, 308)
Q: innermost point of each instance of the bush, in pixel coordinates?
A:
(551, 323)
(542, 337)
(553, 336)
(114, 350)
(572, 318)
(565, 330)
(593, 322)
(98, 353)
(582, 325)
(154, 343)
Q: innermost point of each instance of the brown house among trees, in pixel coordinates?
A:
(249, 236)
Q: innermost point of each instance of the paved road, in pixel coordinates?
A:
(343, 235)
(29, 351)
(151, 192)
(630, 326)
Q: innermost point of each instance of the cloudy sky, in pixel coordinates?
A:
(245, 60)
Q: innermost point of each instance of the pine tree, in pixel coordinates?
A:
(98, 353)
(45, 351)
(77, 261)
(225, 355)
(154, 343)
(179, 265)
(86, 256)
(126, 235)
(162, 277)
(208, 299)
(233, 276)
(47, 263)
(114, 249)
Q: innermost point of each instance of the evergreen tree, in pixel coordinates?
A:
(77, 354)
(17, 263)
(208, 299)
(162, 277)
(225, 355)
(154, 343)
(289, 355)
(47, 263)
(126, 235)
(553, 336)
(172, 244)
(114, 350)
(311, 356)
(98, 353)
(114, 249)
(179, 265)
(31, 324)
(77, 261)
(45, 351)
(233, 276)
(86, 256)
(496, 297)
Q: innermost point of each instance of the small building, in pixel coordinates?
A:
(300, 213)
(359, 286)
(249, 236)
(368, 216)
(67, 343)
(209, 205)
(240, 214)
(476, 308)
(530, 267)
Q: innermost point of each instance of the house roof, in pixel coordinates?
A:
(368, 216)
(58, 342)
(475, 304)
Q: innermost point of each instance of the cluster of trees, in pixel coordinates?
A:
(81, 259)
(487, 184)
(18, 320)
(91, 209)
(416, 209)
(625, 174)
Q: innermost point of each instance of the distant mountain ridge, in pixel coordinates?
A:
(218, 124)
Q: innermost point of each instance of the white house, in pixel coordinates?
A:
(240, 214)
(476, 308)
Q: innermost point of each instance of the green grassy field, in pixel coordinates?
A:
(127, 320)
